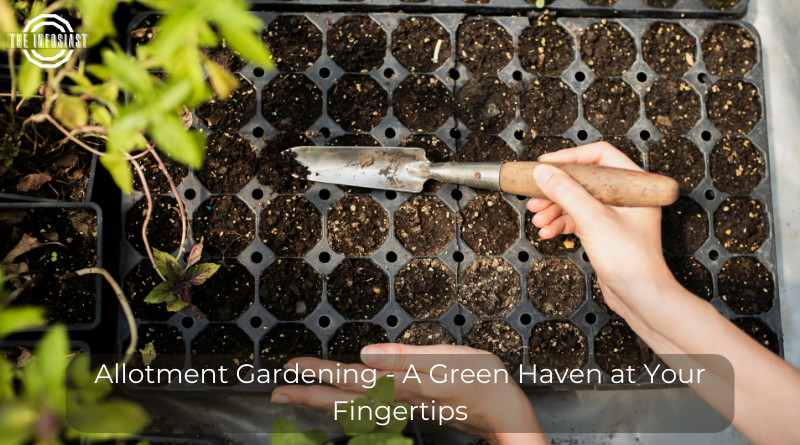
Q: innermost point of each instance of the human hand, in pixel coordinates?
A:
(498, 411)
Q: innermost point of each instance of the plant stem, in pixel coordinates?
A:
(71, 137)
(177, 198)
(13, 75)
(13, 295)
(146, 191)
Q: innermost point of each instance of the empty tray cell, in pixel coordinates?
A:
(555, 287)
(489, 287)
(290, 289)
(225, 225)
(290, 226)
(740, 224)
(425, 288)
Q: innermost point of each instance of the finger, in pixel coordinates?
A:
(399, 357)
(601, 153)
(355, 377)
(562, 189)
(314, 396)
(537, 205)
(563, 225)
(547, 215)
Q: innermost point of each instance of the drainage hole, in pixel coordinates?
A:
(710, 195)
(591, 318)
(523, 256)
(706, 135)
(258, 132)
(391, 194)
(324, 73)
(714, 255)
(324, 257)
(326, 133)
(522, 198)
(189, 194)
(702, 77)
(583, 135)
(255, 322)
(525, 319)
(453, 74)
(585, 257)
(256, 257)
(324, 194)
(645, 135)
(641, 77)
(187, 322)
(390, 133)
(458, 256)
(580, 76)
(392, 321)
(324, 321)
(456, 194)
(388, 73)
(257, 193)
(455, 133)
(258, 72)
(459, 320)
(519, 134)
(517, 75)
(391, 257)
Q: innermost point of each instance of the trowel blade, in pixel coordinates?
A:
(387, 168)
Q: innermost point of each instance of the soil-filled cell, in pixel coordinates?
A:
(736, 166)
(227, 294)
(759, 332)
(352, 337)
(291, 102)
(746, 286)
(224, 56)
(485, 148)
(539, 145)
(435, 151)
(421, 44)
(557, 346)
(549, 106)
(426, 333)
(692, 275)
(355, 140)
(680, 159)
(155, 178)
(422, 103)
(484, 46)
(222, 345)
(290, 289)
(734, 106)
(740, 224)
(356, 43)
(232, 113)
(668, 49)
(225, 225)
(167, 343)
(599, 298)
(720, 5)
(425, 288)
(424, 225)
(600, 2)
(616, 346)
(281, 171)
(672, 106)
(498, 338)
(608, 49)
(230, 163)
(489, 287)
(728, 50)
(294, 42)
(661, 3)
(137, 286)
(357, 225)
(489, 225)
(559, 245)
(684, 227)
(545, 48)
(357, 103)
(486, 105)
(627, 147)
(555, 287)
(290, 226)
(287, 341)
(611, 106)
(358, 289)
(163, 230)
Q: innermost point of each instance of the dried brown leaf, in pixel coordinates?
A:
(82, 223)
(32, 182)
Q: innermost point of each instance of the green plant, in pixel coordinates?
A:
(174, 291)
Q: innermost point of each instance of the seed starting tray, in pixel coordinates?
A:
(589, 318)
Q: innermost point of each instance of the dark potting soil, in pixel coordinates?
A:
(290, 226)
(227, 294)
(733, 106)
(684, 227)
(163, 230)
(489, 225)
(484, 46)
(67, 300)
(672, 106)
(357, 225)
(736, 166)
(281, 171)
(415, 43)
(424, 225)
(290, 289)
(225, 57)
(287, 341)
(559, 245)
(746, 286)
(168, 344)
(484, 148)
(539, 145)
(599, 298)
(627, 147)
(222, 345)
(498, 338)
(294, 42)
(352, 337)
(692, 275)
(668, 49)
(555, 287)
(357, 103)
(549, 106)
(356, 43)
(661, 3)
(422, 103)
(680, 159)
(616, 346)
(489, 287)
(740, 224)
(156, 181)
(558, 346)
(486, 105)
(425, 288)
(358, 289)
(426, 333)
(354, 140)
(728, 50)
(720, 5)
(291, 102)
(137, 286)
(759, 332)
(230, 163)
(232, 113)
(435, 151)
(611, 106)
(225, 225)
(545, 48)
(600, 2)
(608, 49)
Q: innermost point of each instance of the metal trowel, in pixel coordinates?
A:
(407, 169)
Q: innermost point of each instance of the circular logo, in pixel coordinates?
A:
(57, 34)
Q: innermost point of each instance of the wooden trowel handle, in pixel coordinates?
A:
(612, 186)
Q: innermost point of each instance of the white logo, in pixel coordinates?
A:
(57, 35)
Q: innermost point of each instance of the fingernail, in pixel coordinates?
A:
(279, 398)
(544, 156)
(372, 355)
(542, 173)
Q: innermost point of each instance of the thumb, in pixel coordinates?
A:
(560, 188)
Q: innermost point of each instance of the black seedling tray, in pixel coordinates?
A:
(89, 189)
(391, 256)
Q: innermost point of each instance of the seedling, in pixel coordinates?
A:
(174, 291)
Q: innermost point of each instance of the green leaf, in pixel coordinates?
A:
(161, 293)
(127, 72)
(17, 319)
(383, 391)
(194, 255)
(396, 425)
(52, 363)
(284, 433)
(358, 425)
(97, 19)
(116, 164)
(540, 3)
(71, 112)
(248, 45)
(186, 147)
(176, 305)
(100, 115)
(200, 273)
(149, 353)
(116, 417)
(6, 377)
(17, 421)
(223, 82)
(168, 266)
(7, 22)
(30, 77)
(381, 439)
